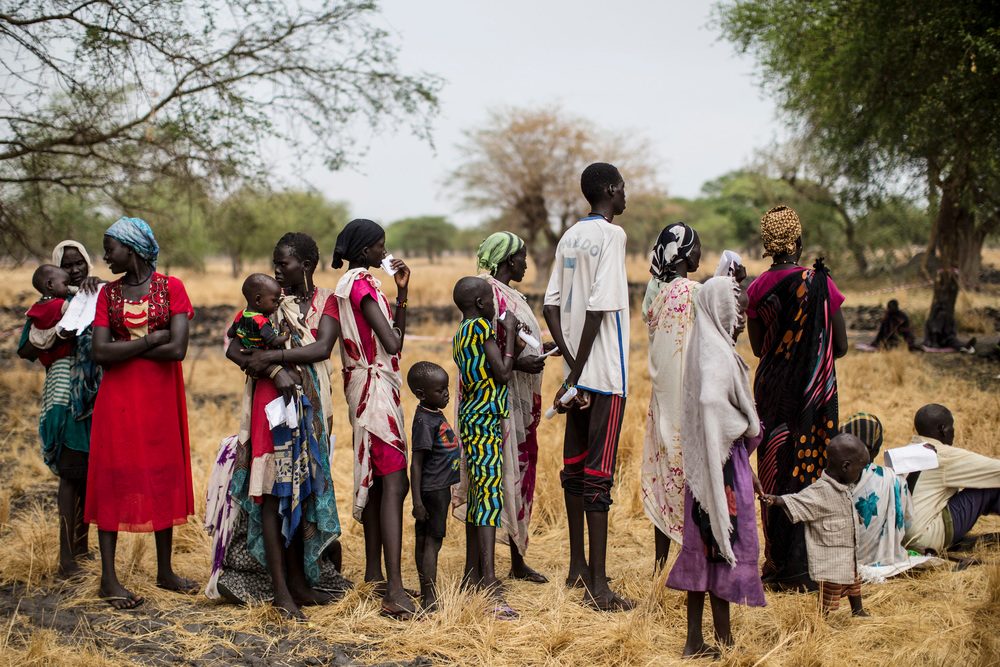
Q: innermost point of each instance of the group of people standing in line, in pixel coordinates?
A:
(272, 509)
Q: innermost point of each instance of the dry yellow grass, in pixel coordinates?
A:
(933, 618)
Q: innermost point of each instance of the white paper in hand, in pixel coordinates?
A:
(911, 458)
(278, 412)
(80, 312)
(727, 263)
(387, 265)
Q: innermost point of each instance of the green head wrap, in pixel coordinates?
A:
(496, 248)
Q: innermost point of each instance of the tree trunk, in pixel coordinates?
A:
(857, 250)
(956, 241)
(237, 264)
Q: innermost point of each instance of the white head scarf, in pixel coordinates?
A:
(60, 250)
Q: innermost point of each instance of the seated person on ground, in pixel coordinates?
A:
(895, 329)
(940, 331)
(948, 500)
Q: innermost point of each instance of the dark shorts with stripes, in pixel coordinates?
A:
(590, 450)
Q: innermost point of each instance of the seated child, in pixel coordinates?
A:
(433, 471)
(252, 326)
(52, 283)
(483, 374)
(831, 523)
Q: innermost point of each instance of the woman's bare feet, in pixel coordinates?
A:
(287, 609)
(175, 582)
(703, 650)
(307, 597)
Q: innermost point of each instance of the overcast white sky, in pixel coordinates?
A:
(653, 67)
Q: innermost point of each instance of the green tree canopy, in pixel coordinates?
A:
(430, 235)
(890, 88)
(98, 96)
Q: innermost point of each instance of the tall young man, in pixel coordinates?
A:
(586, 308)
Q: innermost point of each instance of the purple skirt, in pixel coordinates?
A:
(693, 572)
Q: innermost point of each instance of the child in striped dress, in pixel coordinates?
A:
(483, 372)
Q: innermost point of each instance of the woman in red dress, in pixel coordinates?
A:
(139, 478)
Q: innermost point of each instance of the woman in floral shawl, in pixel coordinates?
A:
(505, 258)
(796, 328)
(668, 310)
(71, 383)
(371, 338)
(284, 513)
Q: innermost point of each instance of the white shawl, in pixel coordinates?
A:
(718, 403)
(371, 388)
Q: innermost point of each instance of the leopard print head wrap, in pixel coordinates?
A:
(779, 229)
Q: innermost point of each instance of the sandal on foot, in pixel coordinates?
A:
(396, 614)
(504, 613)
(130, 602)
(532, 576)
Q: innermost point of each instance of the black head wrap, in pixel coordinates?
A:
(353, 239)
(672, 245)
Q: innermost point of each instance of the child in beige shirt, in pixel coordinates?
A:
(832, 523)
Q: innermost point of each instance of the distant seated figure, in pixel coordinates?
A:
(940, 331)
(895, 329)
(948, 500)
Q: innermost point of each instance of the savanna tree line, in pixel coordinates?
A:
(166, 109)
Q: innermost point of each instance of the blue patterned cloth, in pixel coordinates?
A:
(136, 234)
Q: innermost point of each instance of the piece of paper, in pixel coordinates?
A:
(727, 263)
(545, 354)
(80, 312)
(387, 265)
(911, 458)
(522, 334)
(279, 412)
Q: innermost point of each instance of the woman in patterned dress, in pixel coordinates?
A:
(286, 511)
(797, 330)
(71, 382)
(371, 339)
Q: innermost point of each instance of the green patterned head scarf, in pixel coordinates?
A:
(496, 248)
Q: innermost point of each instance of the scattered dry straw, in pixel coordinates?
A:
(933, 618)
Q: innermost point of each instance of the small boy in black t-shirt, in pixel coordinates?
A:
(433, 470)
